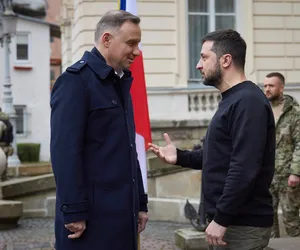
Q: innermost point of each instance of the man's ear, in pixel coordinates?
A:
(226, 60)
(106, 39)
(281, 87)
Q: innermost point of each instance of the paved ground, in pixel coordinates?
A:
(37, 234)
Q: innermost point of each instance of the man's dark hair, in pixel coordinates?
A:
(228, 42)
(278, 75)
(113, 20)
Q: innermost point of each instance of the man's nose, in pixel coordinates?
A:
(136, 52)
(199, 66)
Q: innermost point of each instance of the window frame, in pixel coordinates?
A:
(28, 60)
(24, 108)
(196, 82)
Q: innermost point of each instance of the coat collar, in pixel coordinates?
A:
(98, 64)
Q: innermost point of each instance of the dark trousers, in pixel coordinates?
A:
(245, 238)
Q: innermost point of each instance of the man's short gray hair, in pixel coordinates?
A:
(113, 20)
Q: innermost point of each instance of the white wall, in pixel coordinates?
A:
(32, 87)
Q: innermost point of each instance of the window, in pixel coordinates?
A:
(51, 39)
(22, 47)
(52, 75)
(20, 119)
(205, 16)
(52, 78)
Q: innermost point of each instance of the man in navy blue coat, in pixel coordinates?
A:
(100, 198)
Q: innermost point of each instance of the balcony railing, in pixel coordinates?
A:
(197, 104)
(203, 101)
(183, 104)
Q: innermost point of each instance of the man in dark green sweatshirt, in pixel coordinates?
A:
(238, 155)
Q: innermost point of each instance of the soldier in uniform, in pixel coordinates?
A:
(285, 185)
(3, 158)
(6, 138)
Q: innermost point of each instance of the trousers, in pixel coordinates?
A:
(289, 200)
(245, 238)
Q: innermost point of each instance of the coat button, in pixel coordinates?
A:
(133, 181)
(64, 208)
(131, 146)
(114, 102)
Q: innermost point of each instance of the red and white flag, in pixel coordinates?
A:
(139, 99)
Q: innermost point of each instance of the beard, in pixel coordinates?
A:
(274, 98)
(214, 78)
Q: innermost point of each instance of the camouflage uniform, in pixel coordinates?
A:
(287, 163)
(8, 150)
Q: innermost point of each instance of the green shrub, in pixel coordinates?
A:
(29, 152)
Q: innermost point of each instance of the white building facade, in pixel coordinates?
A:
(171, 33)
(30, 78)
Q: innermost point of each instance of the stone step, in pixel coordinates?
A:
(285, 243)
(35, 202)
(50, 206)
(190, 239)
(164, 209)
(31, 191)
(30, 169)
(34, 213)
(27, 185)
(10, 213)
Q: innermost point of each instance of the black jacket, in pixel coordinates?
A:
(238, 159)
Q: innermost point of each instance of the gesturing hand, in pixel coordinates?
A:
(168, 153)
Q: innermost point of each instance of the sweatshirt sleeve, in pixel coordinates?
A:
(248, 127)
(190, 159)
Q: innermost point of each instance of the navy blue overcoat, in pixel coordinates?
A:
(94, 159)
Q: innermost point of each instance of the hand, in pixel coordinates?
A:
(143, 219)
(294, 180)
(77, 228)
(168, 154)
(214, 234)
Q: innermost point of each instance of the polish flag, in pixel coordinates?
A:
(139, 99)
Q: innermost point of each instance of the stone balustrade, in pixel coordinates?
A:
(178, 104)
(203, 102)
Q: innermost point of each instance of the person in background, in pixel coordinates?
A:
(6, 139)
(285, 186)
